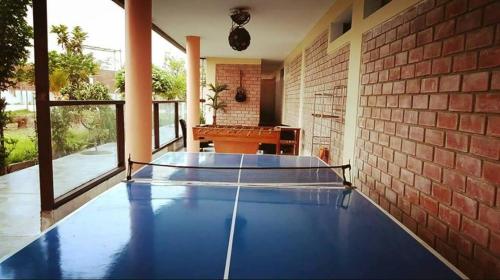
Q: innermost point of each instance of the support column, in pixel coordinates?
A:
(193, 90)
(138, 88)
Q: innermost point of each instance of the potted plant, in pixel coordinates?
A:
(213, 100)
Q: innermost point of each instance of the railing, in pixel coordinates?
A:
(166, 115)
(88, 146)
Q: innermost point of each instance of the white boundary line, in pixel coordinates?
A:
(37, 236)
(58, 222)
(417, 238)
(233, 222)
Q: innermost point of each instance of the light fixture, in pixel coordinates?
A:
(239, 38)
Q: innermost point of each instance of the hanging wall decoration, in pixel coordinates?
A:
(241, 94)
(239, 38)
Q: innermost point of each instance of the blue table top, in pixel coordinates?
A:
(141, 230)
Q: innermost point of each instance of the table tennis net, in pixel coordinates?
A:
(317, 174)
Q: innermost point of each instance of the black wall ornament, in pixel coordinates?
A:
(239, 38)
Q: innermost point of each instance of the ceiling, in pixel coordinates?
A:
(276, 26)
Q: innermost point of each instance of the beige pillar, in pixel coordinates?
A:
(193, 90)
(138, 88)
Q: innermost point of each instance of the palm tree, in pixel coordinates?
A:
(214, 102)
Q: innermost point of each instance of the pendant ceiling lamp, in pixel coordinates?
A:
(239, 38)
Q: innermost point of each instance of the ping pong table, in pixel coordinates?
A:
(229, 223)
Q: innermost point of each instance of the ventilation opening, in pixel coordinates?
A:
(371, 6)
(341, 24)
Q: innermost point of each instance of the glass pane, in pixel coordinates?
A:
(167, 122)
(83, 144)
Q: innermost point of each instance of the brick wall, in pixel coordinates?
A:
(323, 74)
(239, 113)
(292, 91)
(428, 145)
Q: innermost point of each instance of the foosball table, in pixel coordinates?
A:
(238, 139)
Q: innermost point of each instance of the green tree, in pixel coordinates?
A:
(161, 83)
(176, 73)
(72, 62)
(213, 100)
(15, 35)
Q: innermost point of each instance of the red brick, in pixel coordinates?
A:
(438, 228)
(491, 13)
(457, 141)
(398, 87)
(441, 65)
(455, 8)
(489, 58)
(475, 231)
(408, 71)
(426, 235)
(447, 120)
(495, 80)
(427, 118)
(394, 73)
(489, 217)
(425, 151)
(434, 137)
(454, 180)
(432, 171)
(420, 101)
(449, 216)
(445, 29)
(382, 76)
(423, 184)
(449, 83)
(410, 223)
(417, 133)
(395, 47)
(398, 186)
(486, 147)
(432, 50)
(473, 123)
(415, 55)
(469, 165)
(386, 88)
(414, 164)
(444, 157)
(453, 45)
(434, 16)
(400, 159)
(463, 245)
(477, 3)
(475, 82)
(461, 102)
(488, 264)
(418, 214)
(389, 62)
(429, 85)
(401, 58)
(413, 86)
(397, 115)
(481, 191)
(403, 30)
(446, 251)
(495, 244)
(424, 37)
(469, 21)
(409, 42)
(488, 103)
(465, 62)
(438, 102)
(493, 126)
(409, 147)
(423, 68)
(465, 205)
(491, 172)
(441, 193)
(479, 38)
(411, 116)
(407, 176)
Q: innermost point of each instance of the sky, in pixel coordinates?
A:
(104, 21)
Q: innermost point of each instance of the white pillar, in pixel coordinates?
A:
(138, 88)
(193, 90)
